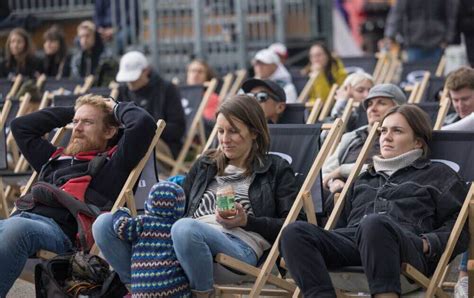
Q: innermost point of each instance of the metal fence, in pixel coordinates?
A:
(52, 9)
(228, 33)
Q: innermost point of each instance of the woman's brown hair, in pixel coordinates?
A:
(418, 120)
(245, 109)
(55, 33)
(28, 51)
(210, 73)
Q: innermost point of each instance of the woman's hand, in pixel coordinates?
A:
(336, 185)
(239, 220)
(336, 174)
(343, 93)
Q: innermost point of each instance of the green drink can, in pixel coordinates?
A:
(225, 201)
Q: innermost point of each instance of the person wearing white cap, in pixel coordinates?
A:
(159, 97)
(281, 50)
(267, 66)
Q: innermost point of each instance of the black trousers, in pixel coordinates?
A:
(379, 245)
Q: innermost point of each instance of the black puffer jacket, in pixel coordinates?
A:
(423, 198)
(272, 192)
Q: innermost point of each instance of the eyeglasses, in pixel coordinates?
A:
(260, 96)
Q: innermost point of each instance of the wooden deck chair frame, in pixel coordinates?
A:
(15, 87)
(395, 65)
(22, 163)
(125, 195)
(303, 96)
(346, 115)
(314, 112)
(88, 82)
(441, 66)
(432, 285)
(422, 87)
(444, 104)
(381, 67)
(178, 164)
(328, 103)
(303, 200)
(240, 75)
(226, 85)
(24, 107)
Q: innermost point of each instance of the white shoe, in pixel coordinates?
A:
(461, 290)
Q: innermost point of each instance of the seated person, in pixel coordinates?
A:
(269, 95)
(460, 84)
(146, 88)
(34, 226)
(357, 87)
(267, 66)
(92, 57)
(19, 56)
(56, 61)
(338, 166)
(264, 190)
(401, 210)
(330, 71)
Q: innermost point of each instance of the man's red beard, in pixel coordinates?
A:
(81, 144)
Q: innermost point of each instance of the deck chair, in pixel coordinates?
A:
(456, 150)
(294, 113)
(433, 89)
(240, 76)
(436, 111)
(413, 70)
(328, 103)
(66, 86)
(193, 103)
(8, 89)
(263, 274)
(364, 63)
(303, 94)
(226, 85)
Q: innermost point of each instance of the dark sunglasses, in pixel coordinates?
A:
(260, 96)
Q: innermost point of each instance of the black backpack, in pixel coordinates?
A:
(70, 275)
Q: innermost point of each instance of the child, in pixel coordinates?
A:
(155, 268)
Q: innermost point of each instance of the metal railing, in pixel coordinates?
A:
(228, 33)
(52, 9)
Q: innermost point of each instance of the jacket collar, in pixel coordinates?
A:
(418, 164)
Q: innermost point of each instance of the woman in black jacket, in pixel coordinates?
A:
(19, 56)
(401, 210)
(263, 187)
(57, 61)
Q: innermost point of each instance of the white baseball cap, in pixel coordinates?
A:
(131, 66)
(280, 49)
(266, 56)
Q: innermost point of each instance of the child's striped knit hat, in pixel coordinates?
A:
(166, 199)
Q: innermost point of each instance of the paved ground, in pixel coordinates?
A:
(22, 289)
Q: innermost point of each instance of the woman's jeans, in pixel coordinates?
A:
(197, 243)
(116, 251)
(22, 236)
(463, 264)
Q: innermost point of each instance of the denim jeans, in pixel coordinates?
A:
(117, 252)
(196, 243)
(22, 236)
(463, 263)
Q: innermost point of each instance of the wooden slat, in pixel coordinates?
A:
(444, 103)
(303, 96)
(315, 110)
(328, 103)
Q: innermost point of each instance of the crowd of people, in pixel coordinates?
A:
(401, 208)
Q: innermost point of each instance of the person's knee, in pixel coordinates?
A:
(294, 233)
(373, 227)
(185, 229)
(15, 230)
(102, 226)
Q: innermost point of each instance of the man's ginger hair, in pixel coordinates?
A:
(98, 102)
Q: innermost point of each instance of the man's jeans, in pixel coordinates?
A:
(21, 236)
(195, 244)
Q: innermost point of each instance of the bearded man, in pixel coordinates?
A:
(70, 171)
